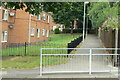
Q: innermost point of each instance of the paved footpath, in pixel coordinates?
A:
(76, 63)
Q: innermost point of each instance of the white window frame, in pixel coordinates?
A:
(48, 19)
(44, 16)
(43, 32)
(38, 17)
(32, 31)
(4, 36)
(5, 15)
(32, 14)
(47, 33)
(38, 32)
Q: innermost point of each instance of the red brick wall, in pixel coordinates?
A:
(0, 24)
(20, 32)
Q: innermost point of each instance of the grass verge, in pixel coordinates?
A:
(27, 62)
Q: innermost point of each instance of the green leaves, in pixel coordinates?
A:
(104, 13)
(66, 12)
(31, 7)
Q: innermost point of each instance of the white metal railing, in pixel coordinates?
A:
(91, 60)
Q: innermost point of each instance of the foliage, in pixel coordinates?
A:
(68, 13)
(74, 30)
(31, 7)
(99, 12)
(110, 23)
(66, 30)
(57, 31)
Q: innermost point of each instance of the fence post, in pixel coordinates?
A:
(41, 62)
(90, 62)
(25, 48)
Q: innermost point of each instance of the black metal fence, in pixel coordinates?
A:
(27, 49)
(33, 49)
(74, 43)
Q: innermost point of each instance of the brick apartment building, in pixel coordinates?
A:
(20, 26)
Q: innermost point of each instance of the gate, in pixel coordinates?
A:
(81, 60)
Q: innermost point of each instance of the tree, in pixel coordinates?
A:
(31, 7)
(99, 12)
(66, 12)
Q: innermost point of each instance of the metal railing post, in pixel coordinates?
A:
(25, 49)
(41, 62)
(90, 62)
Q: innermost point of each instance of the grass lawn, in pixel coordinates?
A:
(22, 62)
(27, 62)
(62, 39)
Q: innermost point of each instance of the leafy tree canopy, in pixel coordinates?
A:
(99, 12)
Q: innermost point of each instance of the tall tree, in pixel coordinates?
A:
(66, 12)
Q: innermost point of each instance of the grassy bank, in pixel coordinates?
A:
(27, 62)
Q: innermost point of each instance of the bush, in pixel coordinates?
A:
(57, 31)
(66, 31)
(74, 30)
(77, 31)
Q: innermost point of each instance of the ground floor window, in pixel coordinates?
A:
(47, 33)
(4, 36)
(32, 31)
(43, 32)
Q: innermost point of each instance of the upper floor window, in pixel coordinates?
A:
(5, 15)
(48, 19)
(44, 17)
(32, 31)
(38, 17)
(38, 33)
(32, 14)
(4, 36)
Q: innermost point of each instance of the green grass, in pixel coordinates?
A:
(62, 39)
(56, 41)
(27, 62)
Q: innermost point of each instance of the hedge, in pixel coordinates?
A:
(74, 30)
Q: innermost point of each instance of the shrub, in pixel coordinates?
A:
(74, 30)
(66, 31)
(77, 31)
(57, 31)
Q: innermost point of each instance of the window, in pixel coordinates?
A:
(43, 17)
(48, 19)
(43, 32)
(32, 14)
(38, 17)
(47, 33)
(38, 33)
(4, 36)
(5, 15)
(32, 31)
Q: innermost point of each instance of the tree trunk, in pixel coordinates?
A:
(72, 27)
